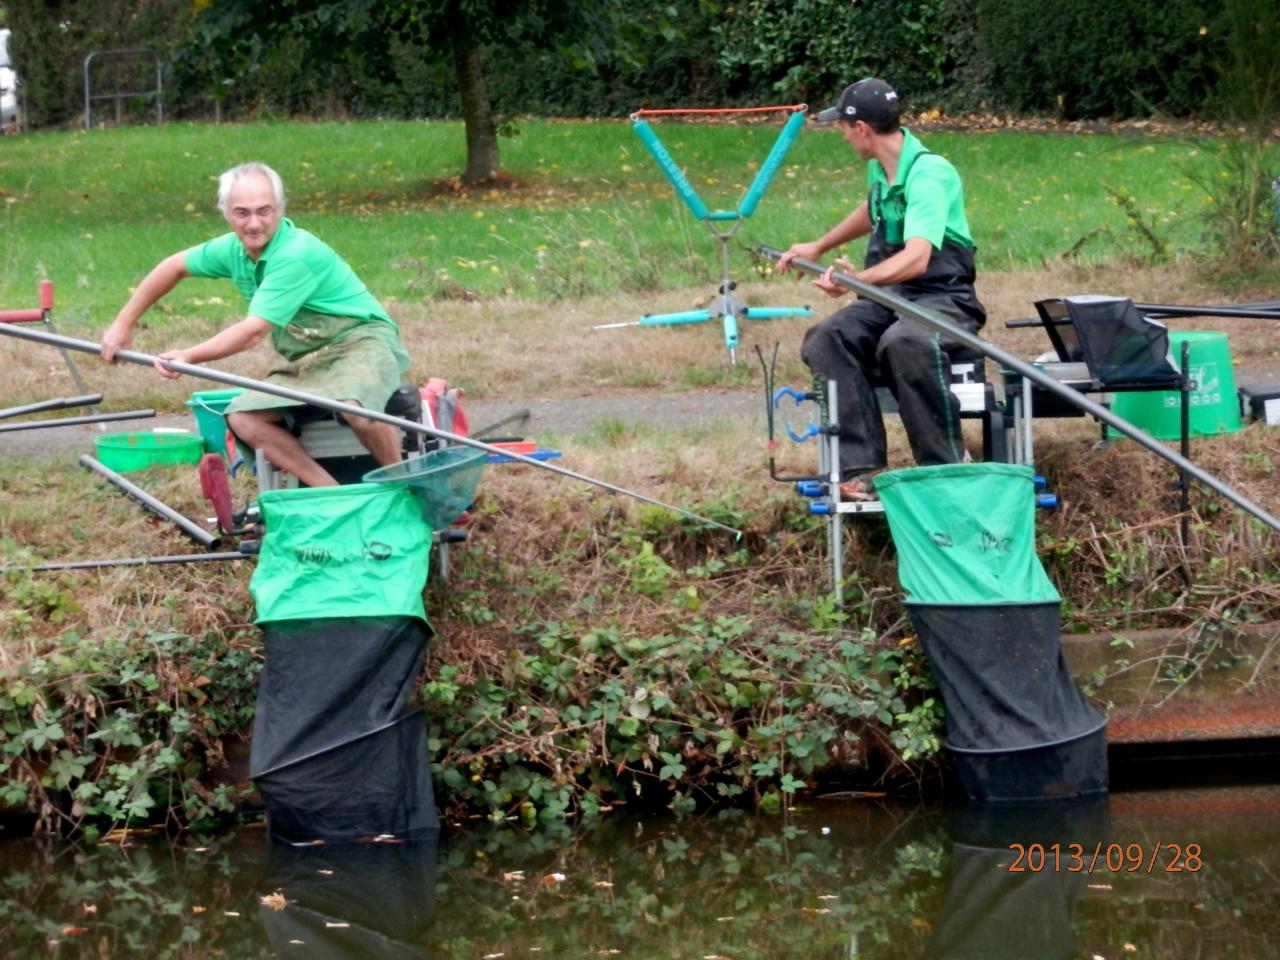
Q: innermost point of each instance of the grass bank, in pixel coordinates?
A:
(590, 651)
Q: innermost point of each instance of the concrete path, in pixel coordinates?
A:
(564, 417)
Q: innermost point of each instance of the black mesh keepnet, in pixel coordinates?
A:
(337, 751)
(1018, 726)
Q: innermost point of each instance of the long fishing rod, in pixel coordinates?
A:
(76, 421)
(130, 562)
(349, 409)
(935, 321)
(156, 506)
(1244, 311)
(60, 403)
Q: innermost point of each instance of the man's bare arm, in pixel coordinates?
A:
(856, 224)
(164, 276)
(908, 263)
(238, 337)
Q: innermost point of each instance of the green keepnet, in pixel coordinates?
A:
(351, 551)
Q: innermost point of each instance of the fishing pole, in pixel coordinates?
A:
(937, 322)
(1244, 311)
(130, 562)
(76, 421)
(60, 403)
(158, 507)
(348, 409)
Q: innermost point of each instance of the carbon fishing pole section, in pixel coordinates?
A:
(60, 403)
(324, 403)
(338, 752)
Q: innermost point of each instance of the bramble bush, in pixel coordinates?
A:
(115, 730)
(715, 710)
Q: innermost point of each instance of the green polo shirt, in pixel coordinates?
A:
(926, 200)
(296, 272)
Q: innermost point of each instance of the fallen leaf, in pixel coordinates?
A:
(274, 901)
(554, 878)
(198, 909)
(1130, 948)
(604, 884)
(73, 931)
(513, 876)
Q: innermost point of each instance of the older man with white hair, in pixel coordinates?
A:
(337, 340)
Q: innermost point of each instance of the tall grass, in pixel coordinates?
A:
(589, 211)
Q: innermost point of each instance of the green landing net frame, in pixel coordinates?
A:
(723, 224)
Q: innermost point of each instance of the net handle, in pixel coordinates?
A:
(707, 111)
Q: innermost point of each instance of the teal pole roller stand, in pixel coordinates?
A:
(723, 224)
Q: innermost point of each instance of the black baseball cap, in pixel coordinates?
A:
(870, 100)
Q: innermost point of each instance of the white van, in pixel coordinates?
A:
(8, 88)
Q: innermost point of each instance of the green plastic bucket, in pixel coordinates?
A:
(123, 452)
(1214, 407)
(207, 407)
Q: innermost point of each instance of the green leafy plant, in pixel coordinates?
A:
(583, 719)
(103, 732)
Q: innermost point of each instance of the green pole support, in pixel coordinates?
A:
(673, 319)
(730, 321)
(786, 137)
(773, 313)
(668, 166)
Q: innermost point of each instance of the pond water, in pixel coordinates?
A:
(1161, 873)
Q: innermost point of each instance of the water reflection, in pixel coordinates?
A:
(841, 879)
(1013, 880)
(349, 901)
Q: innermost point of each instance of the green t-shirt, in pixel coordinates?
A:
(296, 272)
(926, 200)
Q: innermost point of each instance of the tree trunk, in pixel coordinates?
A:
(482, 133)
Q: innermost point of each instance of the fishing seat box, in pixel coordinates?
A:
(1261, 401)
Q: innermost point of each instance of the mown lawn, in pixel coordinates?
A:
(586, 210)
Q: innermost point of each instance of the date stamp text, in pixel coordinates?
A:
(1106, 858)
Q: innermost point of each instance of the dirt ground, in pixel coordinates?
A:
(541, 357)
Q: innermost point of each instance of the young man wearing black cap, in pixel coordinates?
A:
(920, 248)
